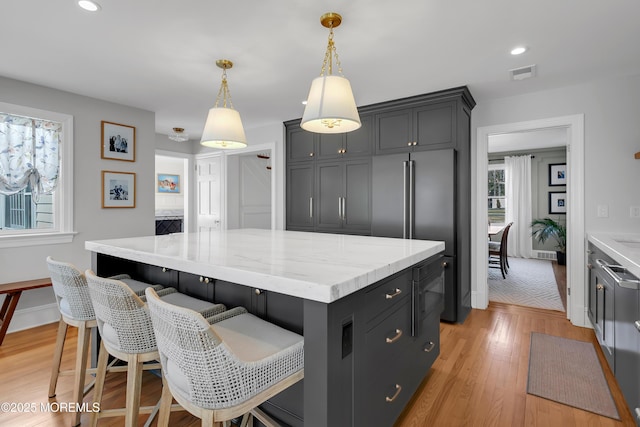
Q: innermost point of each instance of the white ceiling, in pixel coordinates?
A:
(160, 55)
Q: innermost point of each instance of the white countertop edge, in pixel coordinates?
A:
(625, 256)
(296, 288)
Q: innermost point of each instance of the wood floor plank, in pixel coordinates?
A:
(479, 379)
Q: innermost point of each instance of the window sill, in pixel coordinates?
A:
(36, 239)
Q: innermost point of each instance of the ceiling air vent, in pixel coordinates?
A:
(523, 72)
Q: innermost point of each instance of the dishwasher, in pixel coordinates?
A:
(627, 333)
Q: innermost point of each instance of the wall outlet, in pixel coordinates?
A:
(603, 211)
(634, 212)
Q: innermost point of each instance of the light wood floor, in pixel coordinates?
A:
(478, 380)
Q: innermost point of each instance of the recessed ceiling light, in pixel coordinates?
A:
(304, 102)
(518, 50)
(90, 6)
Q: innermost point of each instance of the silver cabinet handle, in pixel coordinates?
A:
(398, 390)
(344, 208)
(204, 279)
(396, 338)
(411, 183)
(310, 207)
(638, 414)
(404, 199)
(165, 269)
(638, 325)
(257, 291)
(409, 143)
(340, 207)
(599, 287)
(430, 346)
(393, 295)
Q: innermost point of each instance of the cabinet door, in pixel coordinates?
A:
(300, 144)
(329, 178)
(394, 131)
(358, 142)
(192, 285)
(330, 145)
(357, 195)
(300, 202)
(156, 275)
(434, 126)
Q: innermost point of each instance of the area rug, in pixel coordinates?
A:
(569, 372)
(529, 282)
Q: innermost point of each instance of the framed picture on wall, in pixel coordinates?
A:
(118, 142)
(557, 174)
(168, 183)
(557, 202)
(118, 189)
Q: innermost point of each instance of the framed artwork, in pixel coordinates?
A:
(168, 183)
(557, 202)
(118, 142)
(557, 174)
(118, 189)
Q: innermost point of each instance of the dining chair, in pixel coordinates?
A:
(222, 370)
(127, 334)
(72, 297)
(498, 252)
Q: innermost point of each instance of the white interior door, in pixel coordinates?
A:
(209, 190)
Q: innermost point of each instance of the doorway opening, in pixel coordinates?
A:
(520, 186)
(172, 195)
(574, 126)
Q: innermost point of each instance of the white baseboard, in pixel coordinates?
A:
(27, 318)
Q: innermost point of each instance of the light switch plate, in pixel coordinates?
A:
(634, 212)
(603, 211)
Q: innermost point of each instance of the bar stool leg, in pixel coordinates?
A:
(165, 405)
(57, 357)
(84, 334)
(101, 372)
(134, 385)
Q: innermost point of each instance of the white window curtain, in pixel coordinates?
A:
(517, 171)
(28, 154)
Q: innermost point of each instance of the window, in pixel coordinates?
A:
(36, 166)
(496, 199)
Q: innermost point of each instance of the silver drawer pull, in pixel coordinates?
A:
(393, 295)
(396, 338)
(398, 390)
(599, 287)
(165, 269)
(204, 279)
(257, 291)
(638, 325)
(430, 346)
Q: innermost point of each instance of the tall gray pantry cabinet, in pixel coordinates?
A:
(405, 173)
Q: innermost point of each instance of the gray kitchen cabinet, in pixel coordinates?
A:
(301, 144)
(300, 196)
(426, 127)
(344, 195)
(346, 145)
(614, 312)
(438, 123)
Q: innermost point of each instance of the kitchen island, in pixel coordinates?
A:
(368, 307)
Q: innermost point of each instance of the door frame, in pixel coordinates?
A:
(576, 288)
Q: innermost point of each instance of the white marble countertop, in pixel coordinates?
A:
(622, 247)
(317, 266)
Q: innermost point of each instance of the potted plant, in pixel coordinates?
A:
(545, 228)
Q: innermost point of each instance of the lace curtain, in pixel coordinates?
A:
(28, 154)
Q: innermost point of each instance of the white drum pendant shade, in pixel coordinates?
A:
(331, 107)
(223, 129)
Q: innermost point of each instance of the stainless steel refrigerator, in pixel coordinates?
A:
(414, 197)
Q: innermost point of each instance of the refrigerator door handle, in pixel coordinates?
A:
(344, 208)
(340, 207)
(404, 199)
(310, 207)
(411, 185)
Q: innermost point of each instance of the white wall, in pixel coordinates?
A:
(92, 222)
(612, 135)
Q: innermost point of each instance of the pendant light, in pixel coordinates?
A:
(331, 107)
(223, 128)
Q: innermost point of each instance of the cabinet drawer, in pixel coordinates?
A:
(427, 345)
(389, 385)
(387, 294)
